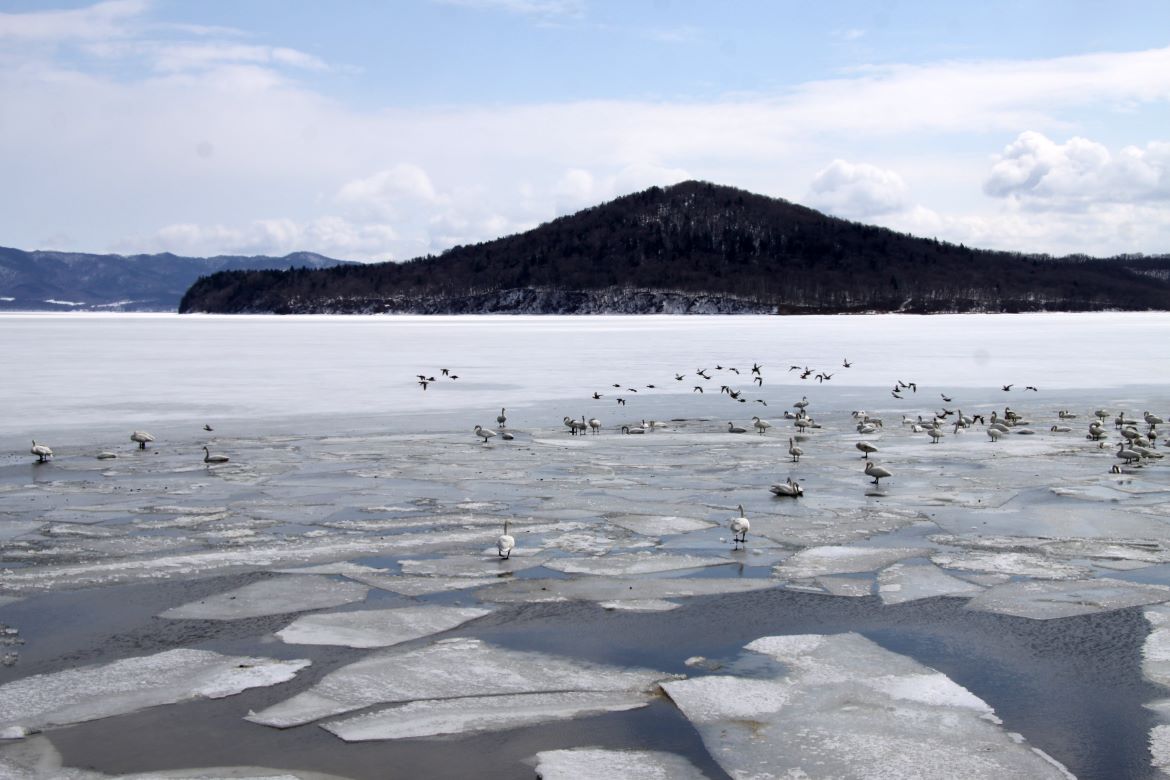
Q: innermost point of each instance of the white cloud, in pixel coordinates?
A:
(857, 190)
(221, 136)
(103, 20)
(331, 236)
(541, 8)
(1079, 173)
(388, 194)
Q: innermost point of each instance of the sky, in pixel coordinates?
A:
(372, 130)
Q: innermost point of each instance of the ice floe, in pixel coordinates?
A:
(276, 596)
(819, 561)
(659, 525)
(480, 713)
(626, 564)
(1013, 563)
(845, 707)
(472, 565)
(618, 589)
(132, 684)
(902, 582)
(376, 627)
(640, 605)
(592, 763)
(1044, 600)
(449, 668)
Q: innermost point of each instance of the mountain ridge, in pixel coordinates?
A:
(44, 280)
(700, 247)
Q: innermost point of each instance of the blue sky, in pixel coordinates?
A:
(372, 130)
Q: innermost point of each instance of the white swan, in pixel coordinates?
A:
(42, 452)
(994, 433)
(142, 437)
(209, 458)
(594, 425)
(1060, 429)
(790, 489)
(484, 432)
(501, 419)
(761, 425)
(794, 451)
(739, 528)
(876, 471)
(575, 427)
(505, 543)
(935, 433)
(733, 428)
(866, 448)
(635, 429)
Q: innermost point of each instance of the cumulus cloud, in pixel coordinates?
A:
(1078, 173)
(857, 190)
(220, 135)
(389, 194)
(331, 236)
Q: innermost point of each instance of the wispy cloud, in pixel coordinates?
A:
(537, 8)
(103, 20)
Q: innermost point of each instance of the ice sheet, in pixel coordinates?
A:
(618, 589)
(908, 582)
(633, 563)
(293, 593)
(480, 713)
(1042, 600)
(376, 627)
(848, 708)
(819, 561)
(132, 684)
(594, 763)
(449, 668)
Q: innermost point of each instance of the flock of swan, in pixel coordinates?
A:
(141, 438)
(1135, 448)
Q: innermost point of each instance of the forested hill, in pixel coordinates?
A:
(699, 248)
(76, 281)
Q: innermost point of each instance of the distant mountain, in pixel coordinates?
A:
(73, 281)
(700, 248)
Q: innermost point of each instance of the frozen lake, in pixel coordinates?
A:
(329, 602)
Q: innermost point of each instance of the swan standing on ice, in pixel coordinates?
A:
(42, 452)
(505, 543)
(739, 528)
(501, 419)
(594, 425)
(209, 458)
(142, 437)
(761, 425)
(865, 447)
(794, 451)
(485, 433)
(1128, 455)
(791, 489)
(876, 471)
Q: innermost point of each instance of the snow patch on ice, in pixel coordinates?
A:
(593, 763)
(271, 597)
(132, 684)
(819, 561)
(376, 627)
(1045, 600)
(480, 713)
(448, 669)
(817, 719)
(901, 582)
